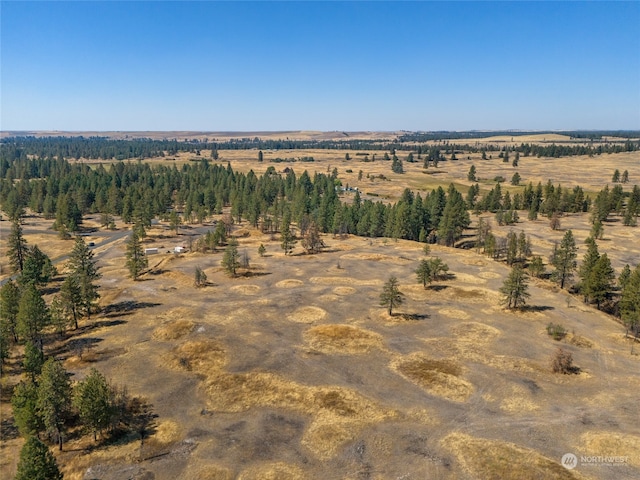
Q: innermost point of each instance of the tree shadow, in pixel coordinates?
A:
(412, 316)
(253, 274)
(128, 306)
(536, 308)
(437, 288)
(8, 430)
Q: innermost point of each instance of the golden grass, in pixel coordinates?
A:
(348, 281)
(290, 283)
(342, 339)
(167, 431)
(273, 471)
(203, 356)
(472, 295)
(376, 257)
(579, 341)
(611, 444)
(248, 290)
(495, 460)
(474, 332)
(209, 472)
(440, 377)
(343, 291)
(518, 401)
(341, 408)
(489, 275)
(308, 314)
(173, 330)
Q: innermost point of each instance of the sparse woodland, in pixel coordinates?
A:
(40, 307)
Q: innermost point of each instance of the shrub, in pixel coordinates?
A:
(562, 362)
(557, 331)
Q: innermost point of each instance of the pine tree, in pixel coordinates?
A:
(536, 267)
(33, 360)
(515, 288)
(262, 250)
(71, 298)
(471, 176)
(231, 258)
(423, 273)
(136, 259)
(37, 267)
(9, 307)
(37, 462)
(16, 247)
(564, 259)
(391, 295)
(54, 398)
(455, 217)
(25, 413)
(92, 400)
(623, 279)
(601, 280)
(83, 267)
(630, 302)
(312, 242)
(588, 263)
(33, 315)
(200, 278)
(288, 241)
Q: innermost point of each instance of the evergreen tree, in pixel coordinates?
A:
(25, 413)
(589, 261)
(33, 361)
(536, 267)
(455, 218)
(391, 295)
(92, 400)
(312, 241)
(515, 179)
(71, 299)
(515, 288)
(288, 241)
(564, 259)
(200, 278)
(623, 279)
(9, 307)
(262, 250)
(424, 273)
(16, 247)
(231, 258)
(136, 259)
(37, 462)
(600, 281)
(33, 315)
(616, 176)
(83, 267)
(471, 176)
(630, 302)
(37, 267)
(54, 398)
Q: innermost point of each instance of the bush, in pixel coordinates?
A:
(562, 362)
(499, 179)
(557, 331)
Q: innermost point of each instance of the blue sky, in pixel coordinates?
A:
(319, 65)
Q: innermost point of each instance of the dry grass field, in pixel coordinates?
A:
(294, 371)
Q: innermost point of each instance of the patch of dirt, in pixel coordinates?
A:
(342, 339)
(454, 313)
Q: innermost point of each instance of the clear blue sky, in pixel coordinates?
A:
(322, 66)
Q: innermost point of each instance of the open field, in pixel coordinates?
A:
(295, 371)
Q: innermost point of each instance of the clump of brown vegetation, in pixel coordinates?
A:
(342, 339)
(493, 459)
(562, 362)
(439, 377)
